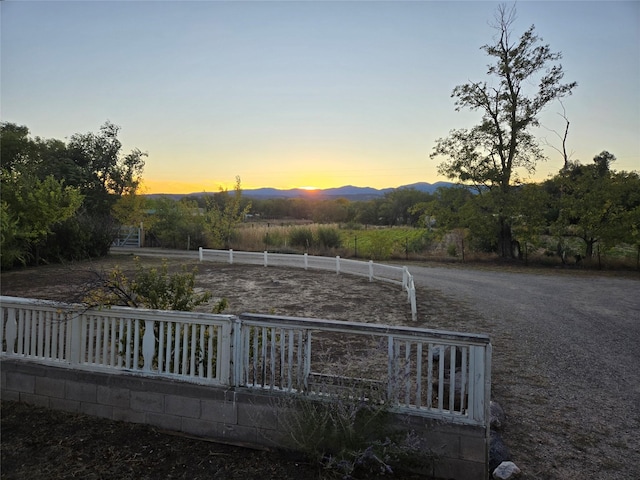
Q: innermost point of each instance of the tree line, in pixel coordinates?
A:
(65, 201)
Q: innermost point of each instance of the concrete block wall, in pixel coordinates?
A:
(230, 415)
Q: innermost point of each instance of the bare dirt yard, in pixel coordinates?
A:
(38, 443)
(566, 368)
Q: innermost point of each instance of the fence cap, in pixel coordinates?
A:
(371, 328)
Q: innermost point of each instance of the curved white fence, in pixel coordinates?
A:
(374, 271)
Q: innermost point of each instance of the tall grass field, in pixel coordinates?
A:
(321, 239)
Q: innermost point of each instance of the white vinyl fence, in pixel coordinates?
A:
(374, 271)
(435, 373)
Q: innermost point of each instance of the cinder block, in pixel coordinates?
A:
(273, 438)
(82, 392)
(64, 404)
(202, 428)
(165, 422)
(473, 449)
(10, 396)
(114, 396)
(147, 402)
(259, 416)
(442, 444)
(38, 400)
(183, 406)
(21, 382)
(96, 410)
(128, 415)
(459, 469)
(287, 417)
(240, 433)
(50, 387)
(219, 411)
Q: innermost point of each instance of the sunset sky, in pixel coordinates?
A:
(294, 94)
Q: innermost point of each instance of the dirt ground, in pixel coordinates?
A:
(38, 443)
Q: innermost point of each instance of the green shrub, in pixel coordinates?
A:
(301, 237)
(328, 237)
(420, 243)
(273, 238)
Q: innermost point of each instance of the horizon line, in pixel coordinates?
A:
(303, 189)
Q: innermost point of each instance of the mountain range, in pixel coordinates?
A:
(348, 192)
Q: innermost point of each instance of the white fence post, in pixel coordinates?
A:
(477, 387)
(12, 330)
(266, 256)
(338, 264)
(371, 270)
(412, 297)
(405, 272)
(306, 261)
(148, 345)
(230, 256)
(75, 339)
(237, 354)
(200, 254)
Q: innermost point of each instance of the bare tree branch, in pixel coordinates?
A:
(566, 157)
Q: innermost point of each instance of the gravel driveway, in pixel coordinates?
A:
(566, 365)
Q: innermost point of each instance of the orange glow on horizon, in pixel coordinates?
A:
(181, 187)
(155, 186)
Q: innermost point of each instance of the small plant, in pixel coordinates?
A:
(351, 436)
(220, 306)
(150, 288)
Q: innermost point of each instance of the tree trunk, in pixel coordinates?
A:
(588, 252)
(505, 238)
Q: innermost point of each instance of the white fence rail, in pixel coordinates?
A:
(440, 374)
(374, 271)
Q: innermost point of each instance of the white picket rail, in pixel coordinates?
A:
(374, 271)
(435, 373)
(183, 344)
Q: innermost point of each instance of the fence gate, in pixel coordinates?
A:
(129, 236)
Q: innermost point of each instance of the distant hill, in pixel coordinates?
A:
(348, 192)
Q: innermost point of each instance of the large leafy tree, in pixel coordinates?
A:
(59, 197)
(96, 164)
(523, 79)
(597, 204)
(101, 169)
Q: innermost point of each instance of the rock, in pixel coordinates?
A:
(497, 416)
(505, 471)
(498, 451)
